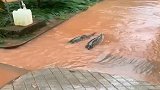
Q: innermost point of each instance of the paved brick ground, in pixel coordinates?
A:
(64, 79)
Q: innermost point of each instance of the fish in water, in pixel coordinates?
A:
(80, 38)
(95, 41)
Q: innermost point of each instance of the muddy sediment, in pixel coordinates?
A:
(9, 73)
(132, 37)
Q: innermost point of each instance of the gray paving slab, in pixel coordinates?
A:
(93, 80)
(65, 79)
(72, 79)
(30, 82)
(85, 82)
(7, 87)
(40, 81)
(51, 79)
(66, 85)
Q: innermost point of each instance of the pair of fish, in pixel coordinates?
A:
(92, 43)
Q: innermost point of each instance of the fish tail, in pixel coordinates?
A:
(91, 35)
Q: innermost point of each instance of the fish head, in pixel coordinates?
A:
(89, 47)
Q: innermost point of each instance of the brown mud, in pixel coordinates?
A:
(132, 37)
(8, 73)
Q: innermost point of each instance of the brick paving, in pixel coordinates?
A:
(65, 79)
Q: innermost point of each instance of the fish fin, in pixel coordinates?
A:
(93, 33)
(71, 41)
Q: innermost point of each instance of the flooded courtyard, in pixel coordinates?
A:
(131, 46)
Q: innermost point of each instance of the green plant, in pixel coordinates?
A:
(2, 41)
(48, 9)
(43, 10)
(2, 6)
(4, 20)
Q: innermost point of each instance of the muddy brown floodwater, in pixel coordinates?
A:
(132, 37)
(8, 73)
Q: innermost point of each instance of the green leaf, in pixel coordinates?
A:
(2, 6)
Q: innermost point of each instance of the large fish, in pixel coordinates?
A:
(80, 38)
(95, 41)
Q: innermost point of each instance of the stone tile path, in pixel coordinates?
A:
(65, 79)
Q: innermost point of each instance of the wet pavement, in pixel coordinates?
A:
(132, 39)
(66, 79)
